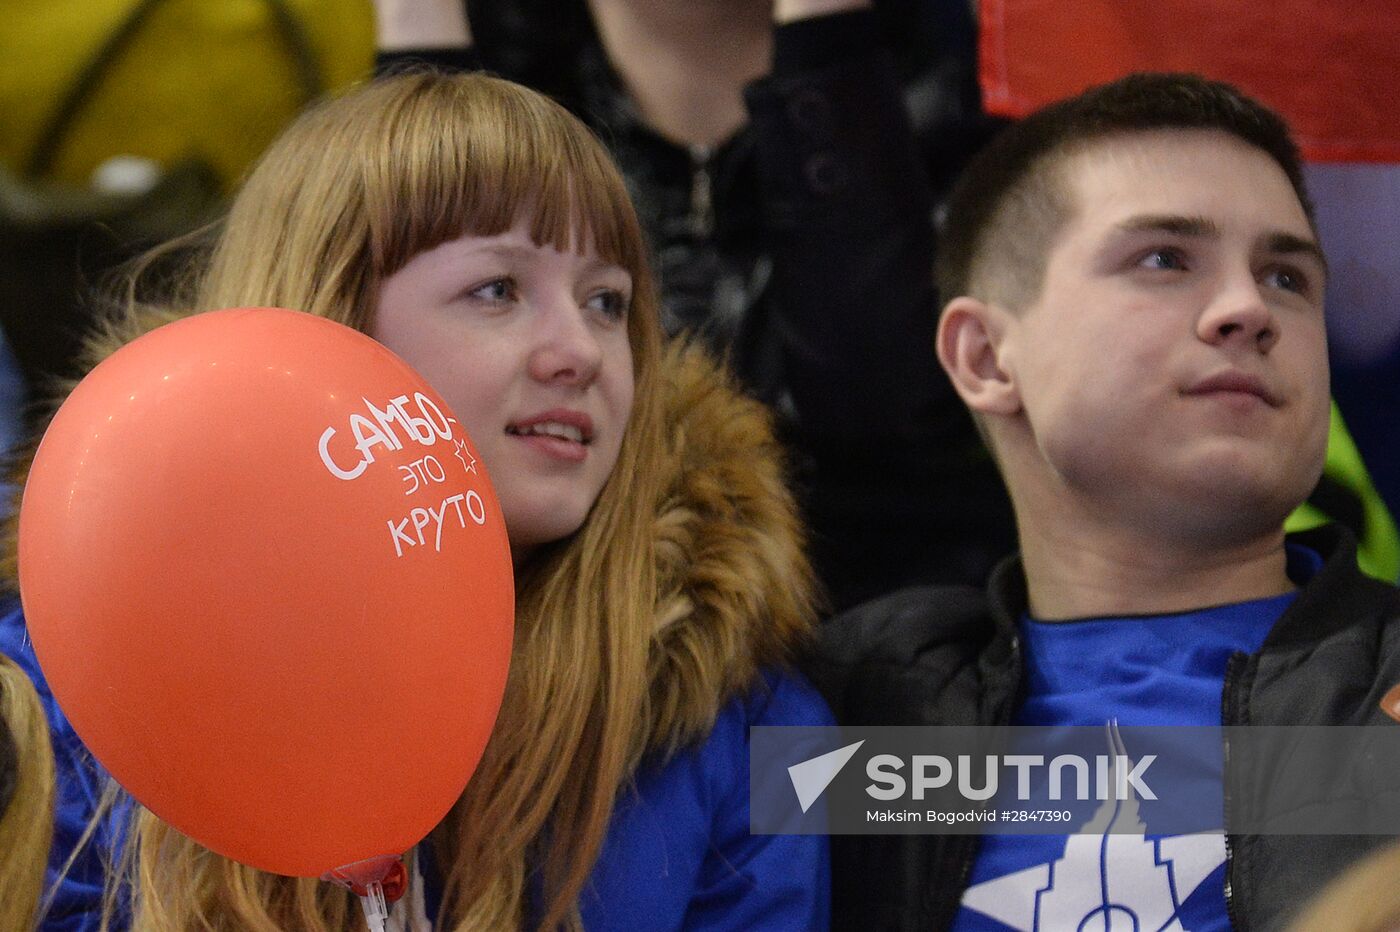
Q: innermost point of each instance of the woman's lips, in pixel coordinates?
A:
(571, 451)
(561, 433)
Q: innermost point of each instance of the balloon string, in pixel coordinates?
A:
(375, 907)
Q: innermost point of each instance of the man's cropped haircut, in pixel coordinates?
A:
(1009, 204)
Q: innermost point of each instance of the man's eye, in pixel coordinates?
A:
(1169, 259)
(1287, 279)
(609, 302)
(497, 289)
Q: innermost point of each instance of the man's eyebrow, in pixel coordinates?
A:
(1171, 223)
(1287, 243)
(1277, 243)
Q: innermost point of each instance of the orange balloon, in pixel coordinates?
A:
(269, 583)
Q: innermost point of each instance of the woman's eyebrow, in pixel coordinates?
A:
(504, 250)
(595, 264)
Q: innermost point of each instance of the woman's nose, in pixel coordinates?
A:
(567, 350)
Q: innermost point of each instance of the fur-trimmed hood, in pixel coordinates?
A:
(736, 590)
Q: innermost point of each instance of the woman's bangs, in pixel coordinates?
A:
(494, 155)
(573, 198)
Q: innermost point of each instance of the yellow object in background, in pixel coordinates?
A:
(213, 80)
(1347, 495)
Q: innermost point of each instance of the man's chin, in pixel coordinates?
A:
(1237, 503)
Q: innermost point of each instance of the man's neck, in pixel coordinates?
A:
(686, 64)
(1078, 570)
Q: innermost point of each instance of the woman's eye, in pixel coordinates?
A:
(1168, 259)
(496, 290)
(609, 302)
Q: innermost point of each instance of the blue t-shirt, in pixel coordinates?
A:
(678, 853)
(1137, 671)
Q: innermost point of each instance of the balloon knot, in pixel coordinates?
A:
(386, 870)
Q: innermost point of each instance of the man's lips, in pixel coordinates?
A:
(1234, 382)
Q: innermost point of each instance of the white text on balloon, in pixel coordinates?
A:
(422, 518)
(421, 472)
(426, 428)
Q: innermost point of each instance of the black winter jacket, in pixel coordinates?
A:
(929, 656)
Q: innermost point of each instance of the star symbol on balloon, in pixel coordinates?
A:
(465, 455)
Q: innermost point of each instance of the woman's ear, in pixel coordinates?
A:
(971, 348)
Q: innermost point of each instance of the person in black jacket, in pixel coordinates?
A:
(1137, 325)
(786, 158)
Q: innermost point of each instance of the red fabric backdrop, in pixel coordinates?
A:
(1331, 68)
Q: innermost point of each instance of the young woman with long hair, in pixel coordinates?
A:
(480, 231)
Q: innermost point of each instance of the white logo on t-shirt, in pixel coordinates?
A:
(1111, 878)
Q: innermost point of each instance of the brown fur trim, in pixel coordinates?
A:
(735, 588)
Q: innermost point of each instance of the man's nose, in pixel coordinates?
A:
(1239, 314)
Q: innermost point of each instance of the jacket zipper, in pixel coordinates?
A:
(1233, 671)
(970, 843)
(702, 200)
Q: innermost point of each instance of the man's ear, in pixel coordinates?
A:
(970, 348)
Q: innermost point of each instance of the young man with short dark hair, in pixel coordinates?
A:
(1136, 322)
